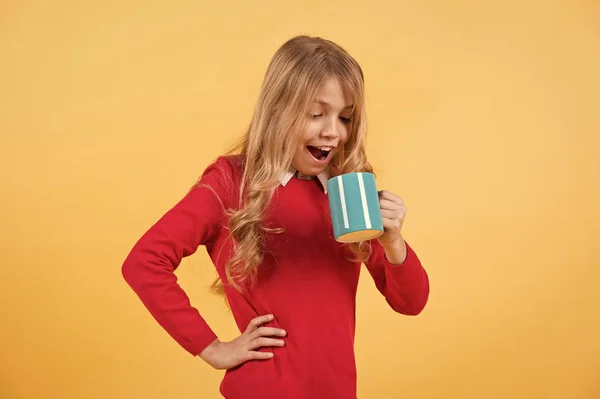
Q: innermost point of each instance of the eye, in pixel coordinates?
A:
(346, 120)
(315, 116)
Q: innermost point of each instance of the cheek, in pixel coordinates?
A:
(312, 131)
(344, 133)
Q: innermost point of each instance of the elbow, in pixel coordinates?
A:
(128, 271)
(412, 309)
(142, 269)
(131, 270)
(419, 299)
(412, 304)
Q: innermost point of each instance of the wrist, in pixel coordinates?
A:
(207, 352)
(396, 252)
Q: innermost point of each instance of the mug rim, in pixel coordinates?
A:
(351, 173)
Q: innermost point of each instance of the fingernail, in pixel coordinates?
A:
(270, 354)
(281, 343)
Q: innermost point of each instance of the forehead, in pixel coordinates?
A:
(333, 94)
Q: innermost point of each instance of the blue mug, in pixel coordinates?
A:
(354, 206)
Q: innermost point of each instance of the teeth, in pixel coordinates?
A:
(325, 148)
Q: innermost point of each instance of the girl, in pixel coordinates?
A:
(262, 213)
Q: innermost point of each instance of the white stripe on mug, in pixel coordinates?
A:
(343, 202)
(363, 197)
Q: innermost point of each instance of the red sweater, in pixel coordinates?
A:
(306, 281)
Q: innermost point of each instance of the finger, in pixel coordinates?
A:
(384, 194)
(391, 205)
(393, 214)
(258, 321)
(264, 342)
(255, 355)
(267, 332)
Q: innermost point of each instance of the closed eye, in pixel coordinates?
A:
(343, 119)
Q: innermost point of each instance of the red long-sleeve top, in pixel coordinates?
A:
(306, 281)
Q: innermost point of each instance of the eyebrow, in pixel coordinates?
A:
(326, 103)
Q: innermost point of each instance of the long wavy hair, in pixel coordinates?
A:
(297, 71)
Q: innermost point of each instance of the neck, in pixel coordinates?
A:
(304, 177)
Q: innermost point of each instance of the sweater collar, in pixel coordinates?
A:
(322, 177)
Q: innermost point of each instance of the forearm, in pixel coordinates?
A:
(396, 253)
(405, 285)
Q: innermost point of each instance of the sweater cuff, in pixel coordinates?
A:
(410, 260)
(199, 344)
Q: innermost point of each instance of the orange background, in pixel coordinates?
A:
(484, 116)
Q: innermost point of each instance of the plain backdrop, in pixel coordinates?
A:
(483, 116)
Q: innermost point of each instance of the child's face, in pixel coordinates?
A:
(330, 121)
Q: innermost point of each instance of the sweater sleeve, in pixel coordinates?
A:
(406, 286)
(149, 269)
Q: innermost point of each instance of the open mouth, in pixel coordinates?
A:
(319, 153)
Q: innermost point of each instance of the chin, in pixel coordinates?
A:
(311, 170)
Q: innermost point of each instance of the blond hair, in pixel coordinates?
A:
(297, 71)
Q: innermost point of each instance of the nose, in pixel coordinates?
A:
(330, 130)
